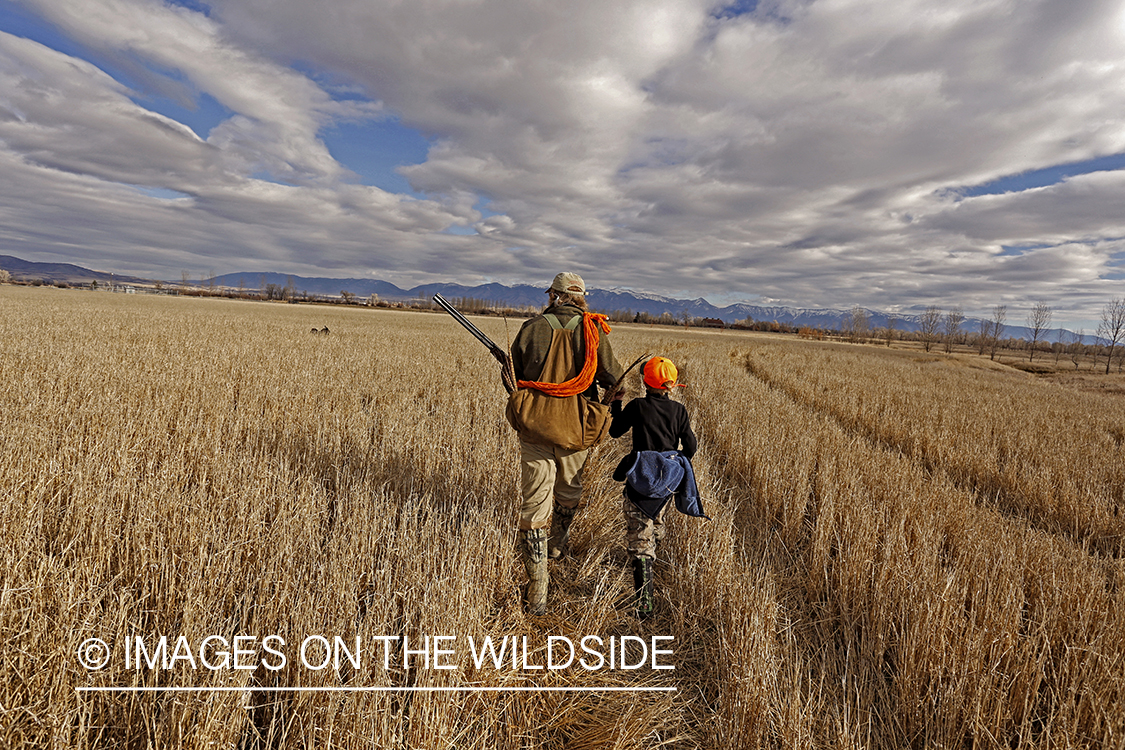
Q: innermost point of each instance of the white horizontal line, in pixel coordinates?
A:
(253, 689)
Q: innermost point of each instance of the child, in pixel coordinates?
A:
(657, 468)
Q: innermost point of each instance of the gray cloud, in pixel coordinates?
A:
(804, 153)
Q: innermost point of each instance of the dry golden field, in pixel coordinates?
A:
(905, 550)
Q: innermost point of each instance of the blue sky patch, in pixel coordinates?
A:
(161, 193)
(482, 205)
(374, 149)
(1117, 263)
(736, 8)
(200, 112)
(19, 22)
(206, 114)
(194, 5)
(1037, 178)
(1017, 250)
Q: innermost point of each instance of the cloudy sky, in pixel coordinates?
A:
(802, 152)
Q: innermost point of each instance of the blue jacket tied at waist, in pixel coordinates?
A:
(657, 475)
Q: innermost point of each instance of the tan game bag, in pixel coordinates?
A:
(554, 412)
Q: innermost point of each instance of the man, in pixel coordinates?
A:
(551, 349)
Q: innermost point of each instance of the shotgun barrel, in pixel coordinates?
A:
(500, 354)
(507, 375)
(611, 392)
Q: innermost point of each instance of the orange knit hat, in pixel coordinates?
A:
(659, 371)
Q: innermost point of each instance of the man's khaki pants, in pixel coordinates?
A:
(545, 471)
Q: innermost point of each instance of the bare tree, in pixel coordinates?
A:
(1076, 347)
(953, 320)
(928, 324)
(889, 331)
(999, 316)
(984, 335)
(1038, 320)
(855, 325)
(1112, 327)
(5, 276)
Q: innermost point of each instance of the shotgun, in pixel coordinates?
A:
(506, 374)
(607, 397)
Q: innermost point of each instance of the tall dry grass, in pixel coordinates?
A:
(208, 467)
(1039, 450)
(918, 617)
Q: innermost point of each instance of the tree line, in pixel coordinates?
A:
(945, 327)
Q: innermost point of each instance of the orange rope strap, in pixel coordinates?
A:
(583, 380)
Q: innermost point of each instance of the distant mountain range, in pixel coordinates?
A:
(66, 273)
(521, 295)
(606, 300)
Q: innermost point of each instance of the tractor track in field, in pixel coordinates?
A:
(985, 493)
(772, 547)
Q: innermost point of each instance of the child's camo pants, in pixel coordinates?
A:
(642, 533)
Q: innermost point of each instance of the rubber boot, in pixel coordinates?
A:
(642, 582)
(535, 562)
(560, 531)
